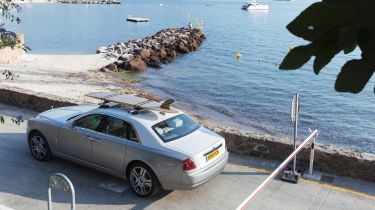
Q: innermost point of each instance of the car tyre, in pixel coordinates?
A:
(142, 180)
(39, 147)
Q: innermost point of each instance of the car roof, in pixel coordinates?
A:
(145, 117)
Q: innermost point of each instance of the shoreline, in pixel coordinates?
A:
(47, 81)
(329, 159)
(73, 76)
(34, 1)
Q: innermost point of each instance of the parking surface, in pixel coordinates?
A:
(23, 184)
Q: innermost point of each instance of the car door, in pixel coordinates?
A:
(110, 151)
(76, 141)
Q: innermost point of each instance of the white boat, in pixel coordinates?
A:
(254, 5)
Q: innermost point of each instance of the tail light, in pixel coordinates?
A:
(188, 165)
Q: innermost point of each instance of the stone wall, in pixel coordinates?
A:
(30, 100)
(329, 159)
(8, 55)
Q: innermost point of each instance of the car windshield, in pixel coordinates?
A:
(175, 127)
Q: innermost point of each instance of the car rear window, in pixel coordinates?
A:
(175, 127)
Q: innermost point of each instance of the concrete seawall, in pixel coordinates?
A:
(339, 161)
(330, 159)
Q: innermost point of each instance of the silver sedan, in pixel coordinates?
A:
(152, 150)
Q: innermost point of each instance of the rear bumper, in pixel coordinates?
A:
(195, 179)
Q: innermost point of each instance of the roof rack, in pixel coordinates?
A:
(137, 103)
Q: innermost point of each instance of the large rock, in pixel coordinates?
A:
(154, 59)
(126, 57)
(155, 65)
(195, 45)
(112, 67)
(182, 48)
(137, 64)
(163, 53)
(173, 54)
(145, 53)
(102, 50)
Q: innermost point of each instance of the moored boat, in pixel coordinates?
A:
(254, 5)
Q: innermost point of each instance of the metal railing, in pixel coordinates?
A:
(61, 182)
(311, 137)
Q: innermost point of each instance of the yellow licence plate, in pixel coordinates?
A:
(212, 155)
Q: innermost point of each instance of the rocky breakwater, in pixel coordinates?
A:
(163, 47)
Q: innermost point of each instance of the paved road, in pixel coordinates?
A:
(23, 185)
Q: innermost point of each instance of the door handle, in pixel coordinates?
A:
(93, 139)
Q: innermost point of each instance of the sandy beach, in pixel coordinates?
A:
(34, 1)
(66, 76)
(71, 77)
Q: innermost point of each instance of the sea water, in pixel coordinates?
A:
(250, 93)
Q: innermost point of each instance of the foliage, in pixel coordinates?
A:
(18, 119)
(9, 75)
(8, 38)
(332, 26)
(8, 8)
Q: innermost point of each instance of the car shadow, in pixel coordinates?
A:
(23, 176)
(247, 173)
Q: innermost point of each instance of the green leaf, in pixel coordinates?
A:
(325, 50)
(347, 39)
(366, 41)
(296, 57)
(354, 75)
(320, 18)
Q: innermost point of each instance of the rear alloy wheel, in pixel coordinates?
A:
(142, 180)
(39, 147)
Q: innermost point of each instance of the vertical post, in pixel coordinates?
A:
(312, 157)
(294, 143)
(49, 198)
(73, 204)
(291, 175)
(294, 113)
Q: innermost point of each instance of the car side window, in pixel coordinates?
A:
(132, 134)
(120, 128)
(115, 127)
(90, 122)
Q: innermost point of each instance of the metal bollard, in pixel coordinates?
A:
(312, 157)
(61, 182)
(312, 149)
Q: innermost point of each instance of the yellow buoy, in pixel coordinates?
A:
(238, 55)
